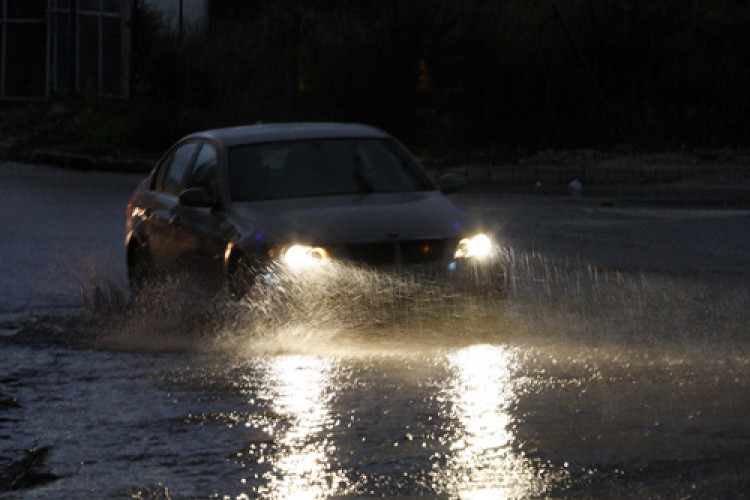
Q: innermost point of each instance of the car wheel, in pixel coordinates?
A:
(139, 269)
(241, 278)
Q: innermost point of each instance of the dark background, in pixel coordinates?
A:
(499, 76)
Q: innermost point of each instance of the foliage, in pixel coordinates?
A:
(477, 73)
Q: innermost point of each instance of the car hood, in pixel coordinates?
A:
(358, 218)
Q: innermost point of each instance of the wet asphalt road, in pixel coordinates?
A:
(617, 366)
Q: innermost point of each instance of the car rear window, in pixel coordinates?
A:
(290, 169)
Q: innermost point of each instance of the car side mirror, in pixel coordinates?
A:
(450, 182)
(197, 197)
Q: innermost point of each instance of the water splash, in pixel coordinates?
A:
(353, 310)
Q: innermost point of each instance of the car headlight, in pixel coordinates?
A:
(301, 256)
(478, 246)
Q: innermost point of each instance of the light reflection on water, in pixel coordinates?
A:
(301, 389)
(477, 393)
(484, 461)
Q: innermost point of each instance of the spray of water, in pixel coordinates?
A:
(344, 309)
(575, 301)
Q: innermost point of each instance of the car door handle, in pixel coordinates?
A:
(175, 221)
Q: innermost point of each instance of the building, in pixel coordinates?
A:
(180, 14)
(49, 47)
(56, 46)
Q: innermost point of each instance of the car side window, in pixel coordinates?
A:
(176, 166)
(204, 172)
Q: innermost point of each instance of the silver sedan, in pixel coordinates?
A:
(296, 196)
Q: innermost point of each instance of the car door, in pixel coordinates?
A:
(201, 232)
(160, 229)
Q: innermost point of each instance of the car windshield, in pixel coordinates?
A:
(322, 167)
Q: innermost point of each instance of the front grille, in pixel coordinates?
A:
(400, 252)
(373, 253)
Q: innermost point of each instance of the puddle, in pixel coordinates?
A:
(584, 381)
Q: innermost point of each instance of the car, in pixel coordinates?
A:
(228, 204)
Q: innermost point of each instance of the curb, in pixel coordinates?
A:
(551, 175)
(77, 161)
(479, 175)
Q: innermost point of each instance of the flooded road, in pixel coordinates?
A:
(617, 366)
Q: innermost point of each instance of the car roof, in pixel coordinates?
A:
(250, 134)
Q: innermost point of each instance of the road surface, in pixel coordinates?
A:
(617, 366)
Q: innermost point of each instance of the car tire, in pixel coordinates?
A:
(139, 270)
(241, 278)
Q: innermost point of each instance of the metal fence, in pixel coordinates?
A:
(76, 46)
